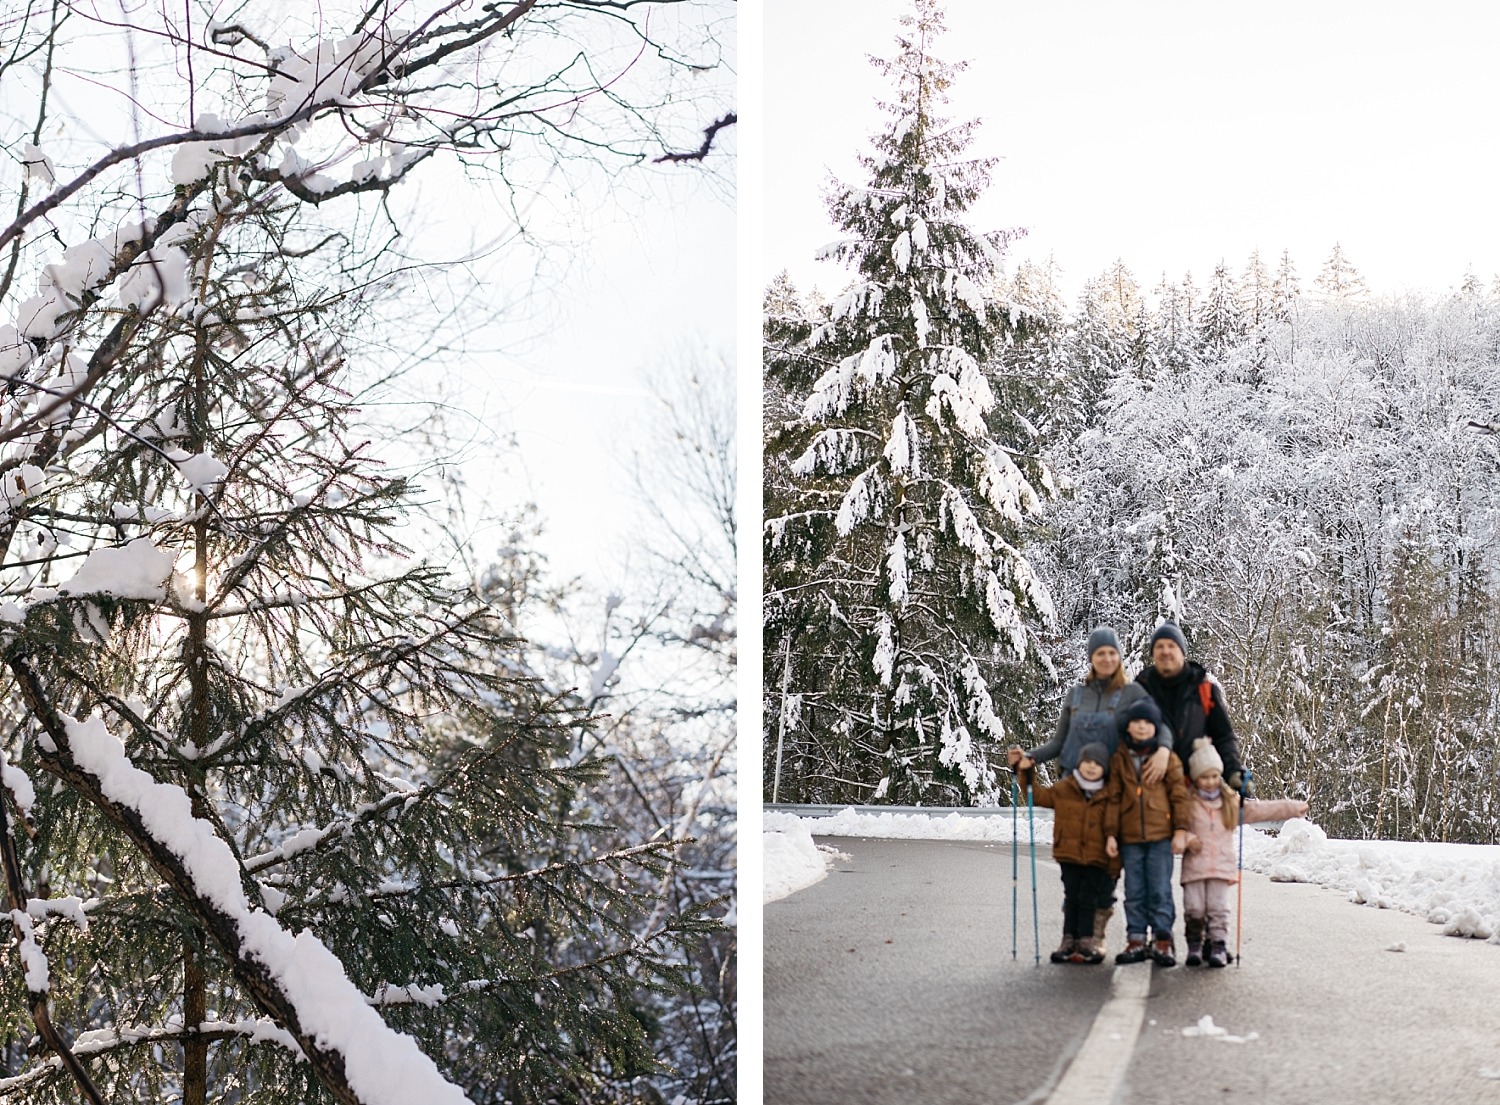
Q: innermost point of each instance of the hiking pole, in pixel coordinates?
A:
(1015, 861)
(1239, 907)
(1036, 927)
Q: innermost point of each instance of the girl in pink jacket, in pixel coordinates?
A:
(1209, 866)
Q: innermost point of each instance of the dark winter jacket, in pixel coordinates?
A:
(1092, 713)
(1077, 821)
(1181, 705)
(1137, 813)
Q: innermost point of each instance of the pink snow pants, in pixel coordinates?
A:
(1209, 898)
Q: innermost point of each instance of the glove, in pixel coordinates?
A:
(1242, 785)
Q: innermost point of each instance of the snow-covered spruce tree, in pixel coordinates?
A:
(898, 605)
(283, 820)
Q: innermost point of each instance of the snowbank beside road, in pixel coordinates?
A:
(1456, 886)
(916, 826)
(793, 861)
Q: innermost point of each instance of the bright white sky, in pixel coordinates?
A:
(1170, 134)
(653, 277)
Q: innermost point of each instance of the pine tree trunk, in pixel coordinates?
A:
(194, 989)
(194, 1013)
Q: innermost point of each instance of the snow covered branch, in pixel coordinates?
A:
(296, 980)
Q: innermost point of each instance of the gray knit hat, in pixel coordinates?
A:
(1103, 637)
(1095, 752)
(1168, 631)
(1205, 757)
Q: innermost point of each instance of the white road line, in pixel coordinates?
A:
(1094, 1076)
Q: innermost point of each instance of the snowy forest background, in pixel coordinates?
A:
(320, 783)
(965, 473)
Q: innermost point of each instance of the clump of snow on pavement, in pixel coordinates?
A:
(793, 861)
(1207, 1029)
(1456, 886)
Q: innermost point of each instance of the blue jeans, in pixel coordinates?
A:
(1148, 889)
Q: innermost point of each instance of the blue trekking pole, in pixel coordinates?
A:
(1036, 928)
(1015, 862)
(1239, 907)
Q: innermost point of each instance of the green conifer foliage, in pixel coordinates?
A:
(900, 612)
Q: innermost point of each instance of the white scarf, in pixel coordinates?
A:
(1088, 787)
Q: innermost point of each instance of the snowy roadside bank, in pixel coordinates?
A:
(794, 862)
(1456, 886)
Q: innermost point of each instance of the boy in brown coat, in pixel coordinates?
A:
(1088, 873)
(1146, 825)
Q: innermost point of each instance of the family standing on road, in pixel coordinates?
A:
(1126, 802)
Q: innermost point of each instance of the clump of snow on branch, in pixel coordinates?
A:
(39, 169)
(901, 448)
(33, 960)
(203, 471)
(895, 562)
(832, 392)
(330, 72)
(831, 451)
(857, 502)
(140, 570)
(885, 651)
(19, 784)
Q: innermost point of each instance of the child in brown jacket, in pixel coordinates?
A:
(1088, 873)
(1146, 826)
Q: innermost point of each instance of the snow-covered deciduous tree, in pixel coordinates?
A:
(901, 612)
(290, 816)
(1323, 526)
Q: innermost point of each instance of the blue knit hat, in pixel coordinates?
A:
(1168, 631)
(1140, 708)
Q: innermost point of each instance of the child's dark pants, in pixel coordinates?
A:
(1085, 889)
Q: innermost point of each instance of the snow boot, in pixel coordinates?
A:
(1196, 927)
(1101, 922)
(1136, 951)
(1065, 949)
(1091, 948)
(1088, 951)
(1163, 952)
(1218, 954)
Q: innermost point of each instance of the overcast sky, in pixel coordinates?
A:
(1172, 135)
(653, 278)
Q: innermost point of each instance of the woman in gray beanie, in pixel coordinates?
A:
(1093, 709)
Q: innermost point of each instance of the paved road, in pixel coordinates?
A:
(892, 981)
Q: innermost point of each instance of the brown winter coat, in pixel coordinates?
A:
(1077, 821)
(1139, 814)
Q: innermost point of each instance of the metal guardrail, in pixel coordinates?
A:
(1041, 813)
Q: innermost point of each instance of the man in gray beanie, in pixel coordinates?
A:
(1191, 701)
